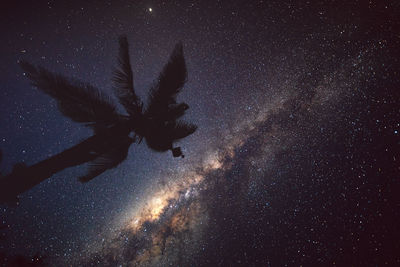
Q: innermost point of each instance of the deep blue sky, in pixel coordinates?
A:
(243, 58)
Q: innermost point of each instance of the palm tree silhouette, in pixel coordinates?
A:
(158, 123)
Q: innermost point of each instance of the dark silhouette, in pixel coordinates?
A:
(158, 123)
(22, 261)
(19, 260)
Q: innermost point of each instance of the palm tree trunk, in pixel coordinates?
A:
(23, 178)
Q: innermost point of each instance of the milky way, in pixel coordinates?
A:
(172, 225)
(295, 160)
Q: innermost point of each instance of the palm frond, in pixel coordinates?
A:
(181, 130)
(123, 80)
(79, 101)
(109, 160)
(176, 111)
(169, 84)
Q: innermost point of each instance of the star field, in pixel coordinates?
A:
(295, 160)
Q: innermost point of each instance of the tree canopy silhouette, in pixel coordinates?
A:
(158, 123)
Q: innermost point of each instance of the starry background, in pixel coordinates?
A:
(296, 158)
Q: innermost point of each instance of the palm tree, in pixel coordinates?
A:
(158, 123)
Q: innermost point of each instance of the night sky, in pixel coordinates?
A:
(295, 160)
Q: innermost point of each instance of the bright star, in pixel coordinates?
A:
(150, 9)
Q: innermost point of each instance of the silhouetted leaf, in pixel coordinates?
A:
(79, 101)
(123, 80)
(182, 129)
(169, 84)
(176, 111)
